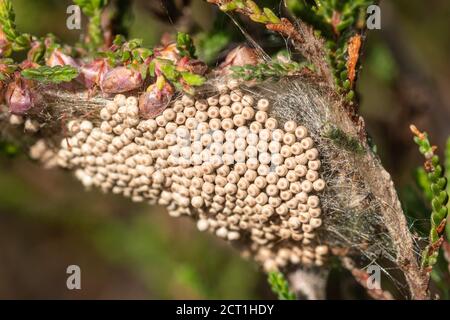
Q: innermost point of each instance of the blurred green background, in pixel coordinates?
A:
(126, 250)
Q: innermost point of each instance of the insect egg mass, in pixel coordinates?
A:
(223, 158)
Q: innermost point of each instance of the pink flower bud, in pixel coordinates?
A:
(57, 58)
(121, 79)
(240, 56)
(155, 100)
(19, 97)
(94, 72)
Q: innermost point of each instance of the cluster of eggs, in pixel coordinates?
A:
(221, 160)
(40, 150)
(29, 125)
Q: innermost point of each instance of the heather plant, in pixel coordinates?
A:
(264, 148)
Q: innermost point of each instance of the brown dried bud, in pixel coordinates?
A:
(192, 65)
(121, 79)
(155, 99)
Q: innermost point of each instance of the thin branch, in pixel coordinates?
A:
(362, 278)
(301, 35)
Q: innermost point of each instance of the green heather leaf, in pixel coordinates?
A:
(271, 16)
(280, 286)
(436, 192)
(119, 40)
(169, 71)
(151, 68)
(193, 79)
(7, 18)
(185, 45)
(89, 7)
(93, 9)
(47, 74)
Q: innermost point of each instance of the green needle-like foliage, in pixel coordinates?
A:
(7, 20)
(7, 68)
(93, 9)
(170, 72)
(447, 176)
(337, 21)
(8, 26)
(438, 187)
(273, 69)
(128, 52)
(185, 45)
(55, 74)
(280, 286)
